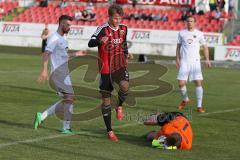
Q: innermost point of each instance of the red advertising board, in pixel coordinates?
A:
(173, 3)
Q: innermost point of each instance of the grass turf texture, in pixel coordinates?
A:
(216, 136)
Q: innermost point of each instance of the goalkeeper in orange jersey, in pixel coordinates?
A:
(175, 132)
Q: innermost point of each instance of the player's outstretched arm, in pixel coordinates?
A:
(206, 56)
(130, 56)
(78, 53)
(44, 73)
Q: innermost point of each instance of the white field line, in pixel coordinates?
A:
(2, 145)
(21, 71)
(222, 111)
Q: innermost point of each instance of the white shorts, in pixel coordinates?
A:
(190, 71)
(61, 82)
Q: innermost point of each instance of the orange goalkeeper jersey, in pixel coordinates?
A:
(178, 125)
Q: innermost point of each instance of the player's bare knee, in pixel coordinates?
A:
(68, 99)
(198, 83)
(181, 84)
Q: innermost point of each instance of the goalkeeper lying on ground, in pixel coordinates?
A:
(175, 132)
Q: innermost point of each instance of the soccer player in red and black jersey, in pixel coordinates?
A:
(110, 38)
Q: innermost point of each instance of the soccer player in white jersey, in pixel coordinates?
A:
(56, 50)
(188, 61)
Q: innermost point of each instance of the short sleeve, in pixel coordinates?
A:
(98, 33)
(51, 44)
(179, 39)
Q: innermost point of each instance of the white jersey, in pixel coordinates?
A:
(190, 45)
(57, 46)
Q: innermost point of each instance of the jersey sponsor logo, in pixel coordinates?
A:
(232, 53)
(76, 31)
(11, 28)
(117, 41)
(189, 41)
(143, 35)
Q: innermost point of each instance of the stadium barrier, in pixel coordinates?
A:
(224, 53)
(141, 41)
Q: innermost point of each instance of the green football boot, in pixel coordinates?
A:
(38, 120)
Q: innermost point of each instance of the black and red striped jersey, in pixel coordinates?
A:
(113, 54)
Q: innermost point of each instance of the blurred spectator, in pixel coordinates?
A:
(90, 9)
(44, 36)
(1, 13)
(150, 17)
(184, 16)
(1, 10)
(111, 2)
(221, 4)
(212, 5)
(134, 3)
(62, 4)
(165, 17)
(137, 15)
(230, 5)
(192, 10)
(78, 15)
(156, 17)
(85, 16)
(43, 3)
(144, 16)
(131, 16)
(217, 14)
(201, 7)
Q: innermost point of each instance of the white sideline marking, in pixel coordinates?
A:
(5, 71)
(223, 111)
(2, 145)
(88, 133)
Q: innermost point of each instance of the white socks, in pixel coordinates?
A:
(68, 111)
(199, 95)
(50, 111)
(183, 92)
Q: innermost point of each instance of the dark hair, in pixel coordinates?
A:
(113, 9)
(65, 17)
(174, 139)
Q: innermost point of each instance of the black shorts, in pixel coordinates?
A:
(107, 80)
(44, 44)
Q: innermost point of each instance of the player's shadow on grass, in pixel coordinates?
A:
(132, 139)
(57, 151)
(135, 140)
(27, 89)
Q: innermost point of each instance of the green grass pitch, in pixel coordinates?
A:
(216, 133)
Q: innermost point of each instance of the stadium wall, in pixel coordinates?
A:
(141, 41)
(227, 53)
